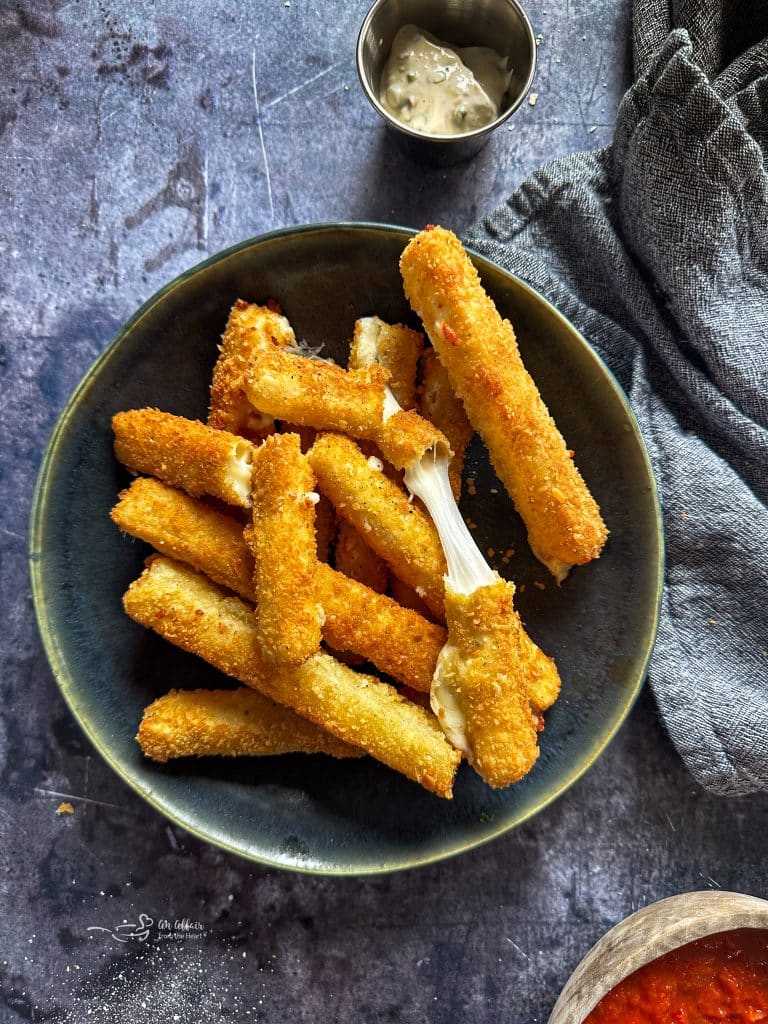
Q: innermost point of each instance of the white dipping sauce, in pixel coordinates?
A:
(440, 89)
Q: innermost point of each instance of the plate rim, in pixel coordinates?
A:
(64, 680)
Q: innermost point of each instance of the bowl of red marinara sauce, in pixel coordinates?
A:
(696, 958)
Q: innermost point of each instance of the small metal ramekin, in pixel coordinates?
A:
(501, 24)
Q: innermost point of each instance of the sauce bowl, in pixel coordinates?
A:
(500, 24)
(648, 934)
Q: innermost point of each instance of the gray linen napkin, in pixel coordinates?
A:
(656, 248)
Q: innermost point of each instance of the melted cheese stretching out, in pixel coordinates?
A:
(479, 689)
(467, 569)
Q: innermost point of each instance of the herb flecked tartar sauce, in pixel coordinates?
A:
(439, 89)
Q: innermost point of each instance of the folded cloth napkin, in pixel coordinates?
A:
(656, 248)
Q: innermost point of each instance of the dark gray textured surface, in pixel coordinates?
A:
(135, 140)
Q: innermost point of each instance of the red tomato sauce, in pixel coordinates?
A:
(722, 978)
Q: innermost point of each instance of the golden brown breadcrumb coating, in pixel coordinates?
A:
(193, 613)
(317, 394)
(355, 559)
(230, 723)
(284, 550)
(397, 529)
(479, 692)
(398, 641)
(313, 393)
(185, 453)
(188, 529)
(397, 349)
(479, 352)
(439, 404)
(249, 327)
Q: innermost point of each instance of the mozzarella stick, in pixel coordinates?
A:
(469, 575)
(230, 723)
(397, 530)
(395, 347)
(480, 355)
(478, 691)
(284, 550)
(186, 454)
(187, 529)
(193, 613)
(355, 559)
(325, 516)
(398, 641)
(314, 393)
(440, 405)
(249, 328)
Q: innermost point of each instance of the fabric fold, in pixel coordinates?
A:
(656, 248)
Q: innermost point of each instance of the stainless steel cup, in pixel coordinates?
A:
(501, 24)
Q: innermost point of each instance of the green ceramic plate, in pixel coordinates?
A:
(312, 813)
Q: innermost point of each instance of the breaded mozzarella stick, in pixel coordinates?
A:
(396, 529)
(189, 530)
(395, 347)
(284, 551)
(191, 612)
(314, 393)
(230, 723)
(249, 328)
(480, 690)
(479, 352)
(440, 405)
(317, 394)
(355, 559)
(186, 454)
(397, 640)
